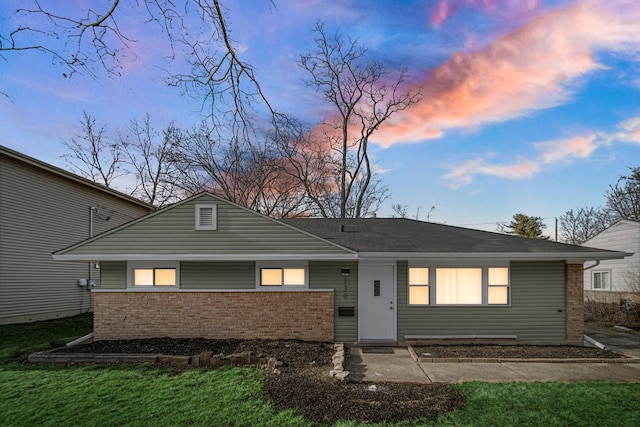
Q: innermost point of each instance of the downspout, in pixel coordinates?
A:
(88, 288)
(597, 263)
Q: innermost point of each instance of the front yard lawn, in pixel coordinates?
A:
(142, 395)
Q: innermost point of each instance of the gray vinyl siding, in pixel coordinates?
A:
(218, 275)
(42, 212)
(239, 231)
(622, 236)
(113, 275)
(536, 313)
(327, 275)
(193, 275)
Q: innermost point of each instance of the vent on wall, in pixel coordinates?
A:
(206, 217)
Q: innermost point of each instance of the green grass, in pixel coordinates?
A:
(18, 341)
(136, 396)
(547, 404)
(141, 395)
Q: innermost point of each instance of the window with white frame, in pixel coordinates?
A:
(498, 285)
(206, 217)
(418, 286)
(601, 280)
(282, 274)
(458, 285)
(148, 274)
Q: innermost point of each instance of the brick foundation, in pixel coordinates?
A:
(246, 315)
(574, 288)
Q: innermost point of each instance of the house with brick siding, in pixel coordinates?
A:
(206, 267)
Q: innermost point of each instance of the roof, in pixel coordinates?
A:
(412, 238)
(169, 234)
(23, 158)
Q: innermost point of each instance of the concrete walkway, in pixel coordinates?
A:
(396, 365)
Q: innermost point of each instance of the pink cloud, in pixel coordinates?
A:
(550, 152)
(464, 173)
(629, 131)
(576, 147)
(444, 9)
(530, 68)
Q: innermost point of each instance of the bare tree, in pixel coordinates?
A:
(244, 172)
(149, 154)
(84, 39)
(400, 210)
(94, 156)
(631, 279)
(362, 101)
(623, 197)
(578, 226)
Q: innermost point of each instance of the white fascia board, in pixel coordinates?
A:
(512, 256)
(204, 257)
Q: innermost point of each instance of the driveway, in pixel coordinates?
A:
(616, 339)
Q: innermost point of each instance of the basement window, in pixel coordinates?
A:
(206, 217)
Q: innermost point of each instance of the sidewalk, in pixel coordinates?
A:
(395, 364)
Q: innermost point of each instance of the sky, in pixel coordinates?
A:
(528, 106)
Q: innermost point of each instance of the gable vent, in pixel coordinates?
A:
(206, 217)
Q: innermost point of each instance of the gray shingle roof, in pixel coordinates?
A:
(411, 236)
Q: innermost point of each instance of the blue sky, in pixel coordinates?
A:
(529, 106)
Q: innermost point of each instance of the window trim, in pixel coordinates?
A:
(433, 266)
(214, 216)
(282, 265)
(606, 288)
(148, 265)
(419, 285)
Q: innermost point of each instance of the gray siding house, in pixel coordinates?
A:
(206, 267)
(613, 280)
(43, 208)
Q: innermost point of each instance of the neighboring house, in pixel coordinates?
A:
(206, 267)
(43, 208)
(613, 280)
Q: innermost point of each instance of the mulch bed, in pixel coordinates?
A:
(303, 383)
(514, 352)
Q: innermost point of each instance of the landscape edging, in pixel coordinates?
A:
(419, 359)
(202, 360)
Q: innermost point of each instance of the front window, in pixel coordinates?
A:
(282, 277)
(498, 286)
(601, 280)
(418, 286)
(153, 274)
(458, 286)
(281, 274)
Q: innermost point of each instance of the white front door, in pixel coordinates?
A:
(376, 302)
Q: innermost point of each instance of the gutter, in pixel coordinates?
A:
(597, 263)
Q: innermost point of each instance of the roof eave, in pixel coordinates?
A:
(206, 257)
(513, 256)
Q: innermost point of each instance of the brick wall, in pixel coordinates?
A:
(247, 315)
(574, 288)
